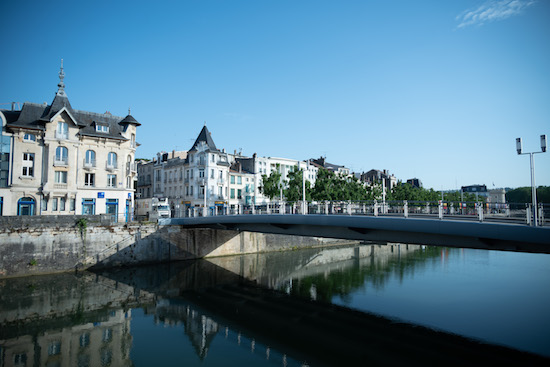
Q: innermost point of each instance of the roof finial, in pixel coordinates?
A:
(61, 85)
(204, 122)
(129, 112)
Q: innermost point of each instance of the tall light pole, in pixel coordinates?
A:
(519, 149)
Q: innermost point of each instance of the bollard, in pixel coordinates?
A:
(375, 208)
(406, 209)
(440, 210)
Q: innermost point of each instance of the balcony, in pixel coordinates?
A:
(61, 162)
(89, 164)
(62, 135)
(110, 166)
(131, 168)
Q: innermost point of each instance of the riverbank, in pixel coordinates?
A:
(52, 244)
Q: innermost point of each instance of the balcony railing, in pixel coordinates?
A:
(61, 162)
(61, 135)
(89, 164)
(110, 166)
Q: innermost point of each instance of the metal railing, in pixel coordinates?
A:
(477, 211)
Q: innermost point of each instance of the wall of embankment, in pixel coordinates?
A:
(49, 244)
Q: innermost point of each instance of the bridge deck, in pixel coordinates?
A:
(450, 233)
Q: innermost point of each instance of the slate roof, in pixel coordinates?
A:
(35, 116)
(206, 137)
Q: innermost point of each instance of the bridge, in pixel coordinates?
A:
(455, 232)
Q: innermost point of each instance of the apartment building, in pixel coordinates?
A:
(58, 160)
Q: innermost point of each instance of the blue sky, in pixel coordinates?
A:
(437, 90)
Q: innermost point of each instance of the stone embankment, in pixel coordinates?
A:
(49, 244)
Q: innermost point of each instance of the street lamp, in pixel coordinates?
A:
(519, 149)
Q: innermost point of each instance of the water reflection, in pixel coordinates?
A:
(262, 309)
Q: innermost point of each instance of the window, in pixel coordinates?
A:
(61, 177)
(29, 138)
(62, 204)
(221, 175)
(62, 131)
(90, 159)
(201, 173)
(44, 205)
(129, 182)
(28, 165)
(232, 179)
(212, 173)
(191, 190)
(232, 193)
(239, 194)
(192, 173)
(61, 156)
(72, 204)
(213, 157)
(54, 204)
(25, 206)
(239, 180)
(111, 160)
(89, 179)
(133, 141)
(220, 191)
(88, 206)
(111, 180)
(102, 128)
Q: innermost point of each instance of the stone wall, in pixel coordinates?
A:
(48, 244)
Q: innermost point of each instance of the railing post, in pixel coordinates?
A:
(405, 209)
(480, 212)
(326, 207)
(541, 214)
(268, 209)
(440, 209)
(528, 214)
(375, 208)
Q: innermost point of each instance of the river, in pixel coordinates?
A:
(378, 305)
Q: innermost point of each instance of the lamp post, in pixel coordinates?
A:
(519, 149)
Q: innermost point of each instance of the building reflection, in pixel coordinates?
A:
(102, 343)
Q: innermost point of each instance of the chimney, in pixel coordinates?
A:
(173, 153)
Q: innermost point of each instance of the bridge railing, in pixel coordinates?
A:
(441, 209)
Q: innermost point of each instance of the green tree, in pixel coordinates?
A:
(271, 185)
(523, 195)
(294, 189)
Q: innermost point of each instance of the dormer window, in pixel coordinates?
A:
(102, 128)
(29, 138)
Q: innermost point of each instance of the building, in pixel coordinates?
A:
(375, 176)
(206, 178)
(322, 163)
(415, 182)
(59, 160)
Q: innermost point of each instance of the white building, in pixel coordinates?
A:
(59, 160)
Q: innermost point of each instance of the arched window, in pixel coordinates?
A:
(25, 206)
(61, 156)
(111, 160)
(90, 158)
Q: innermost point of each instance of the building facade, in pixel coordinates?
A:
(209, 181)
(58, 160)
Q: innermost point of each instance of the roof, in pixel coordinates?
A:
(36, 116)
(204, 136)
(32, 116)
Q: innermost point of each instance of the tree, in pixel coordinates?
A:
(271, 185)
(523, 195)
(294, 189)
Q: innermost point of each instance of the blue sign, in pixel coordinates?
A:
(101, 195)
(129, 195)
